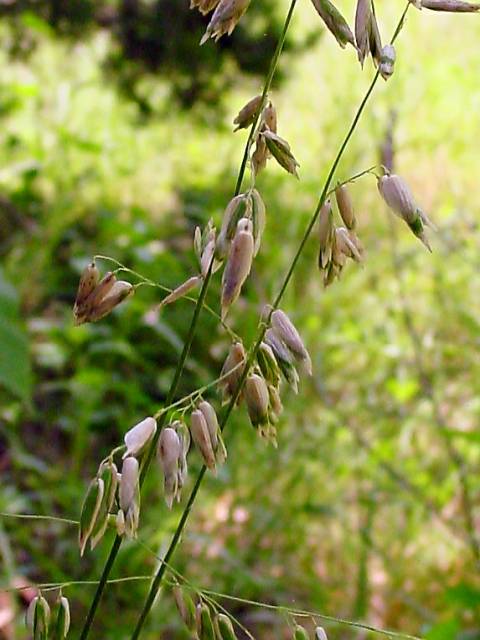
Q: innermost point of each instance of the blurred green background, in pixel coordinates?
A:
(116, 139)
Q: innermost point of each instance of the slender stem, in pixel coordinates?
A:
(186, 349)
(188, 507)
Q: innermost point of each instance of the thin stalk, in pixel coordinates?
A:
(152, 594)
(191, 333)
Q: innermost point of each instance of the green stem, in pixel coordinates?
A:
(186, 349)
(188, 507)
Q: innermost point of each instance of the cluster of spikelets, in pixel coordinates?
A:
(46, 624)
(204, 622)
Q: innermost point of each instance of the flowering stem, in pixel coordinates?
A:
(152, 594)
(186, 350)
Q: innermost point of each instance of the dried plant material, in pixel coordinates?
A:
(185, 606)
(129, 495)
(232, 370)
(398, 197)
(204, 624)
(299, 633)
(335, 22)
(269, 117)
(345, 206)
(257, 399)
(139, 436)
(280, 150)
(204, 6)
(169, 454)
(90, 509)
(239, 263)
(363, 16)
(225, 18)
(201, 438)
(247, 114)
(108, 474)
(38, 618)
(453, 6)
(387, 61)
(224, 627)
(61, 625)
(288, 334)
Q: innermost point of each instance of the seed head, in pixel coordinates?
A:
(201, 438)
(238, 265)
(259, 219)
(257, 399)
(280, 150)
(347, 244)
(248, 113)
(225, 18)
(335, 22)
(138, 437)
(387, 61)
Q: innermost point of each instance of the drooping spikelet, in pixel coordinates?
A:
(225, 18)
(335, 22)
(238, 265)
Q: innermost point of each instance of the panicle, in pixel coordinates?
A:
(225, 18)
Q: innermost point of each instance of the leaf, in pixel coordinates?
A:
(15, 369)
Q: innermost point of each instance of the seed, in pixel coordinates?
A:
(128, 483)
(363, 16)
(212, 422)
(247, 114)
(181, 290)
(137, 438)
(117, 294)
(387, 61)
(345, 206)
(225, 18)
(280, 150)
(201, 438)
(238, 265)
(257, 399)
(88, 281)
(335, 22)
(231, 370)
(270, 117)
(454, 6)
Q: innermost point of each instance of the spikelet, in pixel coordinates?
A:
(185, 606)
(335, 22)
(108, 475)
(225, 18)
(181, 290)
(62, 620)
(88, 281)
(375, 40)
(260, 155)
(169, 454)
(299, 633)
(129, 495)
(201, 438)
(397, 195)
(284, 358)
(237, 208)
(38, 618)
(90, 510)
(288, 334)
(204, 624)
(139, 436)
(326, 235)
(238, 265)
(268, 364)
(348, 245)
(248, 113)
(257, 399)
(224, 627)
(280, 150)
(453, 6)
(345, 206)
(120, 291)
(214, 431)
(363, 17)
(232, 370)
(387, 61)
(104, 297)
(269, 117)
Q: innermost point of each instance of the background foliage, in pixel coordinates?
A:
(358, 513)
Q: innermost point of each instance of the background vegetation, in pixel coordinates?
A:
(359, 512)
